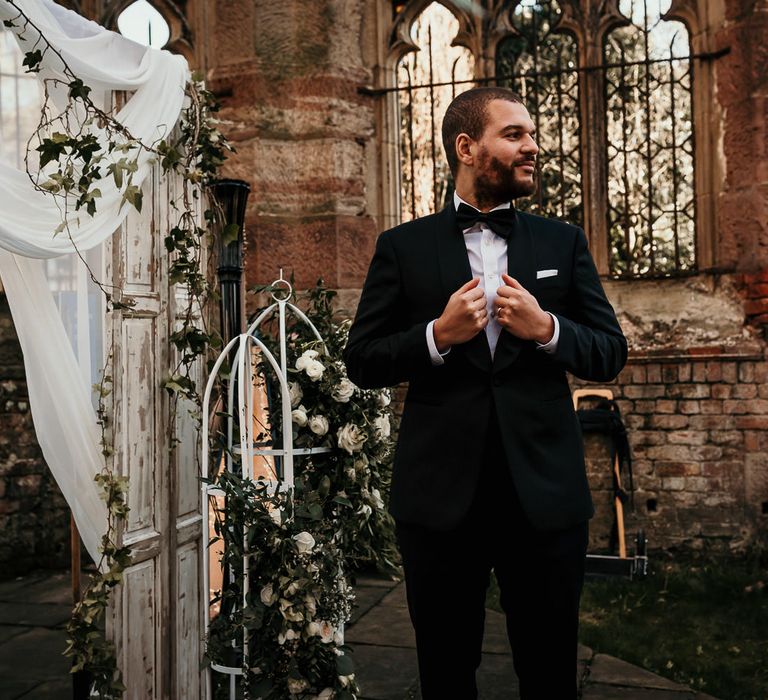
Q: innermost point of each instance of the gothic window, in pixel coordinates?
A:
(609, 85)
(20, 100)
(144, 24)
(428, 79)
(540, 65)
(649, 144)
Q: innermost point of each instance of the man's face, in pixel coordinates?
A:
(506, 154)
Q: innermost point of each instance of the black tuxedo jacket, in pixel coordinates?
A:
(414, 270)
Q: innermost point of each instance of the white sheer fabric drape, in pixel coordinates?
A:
(59, 388)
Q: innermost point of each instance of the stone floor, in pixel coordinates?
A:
(380, 634)
(34, 610)
(33, 613)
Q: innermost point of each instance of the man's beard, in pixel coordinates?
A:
(496, 183)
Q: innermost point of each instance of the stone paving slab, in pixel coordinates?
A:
(40, 587)
(35, 655)
(387, 626)
(34, 615)
(612, 671)
(365, 598)
(50, 690)
(396, 597)
(8, 632)
(12, 689)
(613, 692)
(385, 673)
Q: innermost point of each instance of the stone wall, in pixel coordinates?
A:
(697, 430)
(288, 77)
(34, 518)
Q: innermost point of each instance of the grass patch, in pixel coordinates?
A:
(701, 623)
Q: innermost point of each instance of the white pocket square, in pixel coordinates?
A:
(541, 274)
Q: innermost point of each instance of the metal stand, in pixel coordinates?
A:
(622, 565)
(241, 376)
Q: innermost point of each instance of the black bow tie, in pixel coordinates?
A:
(500, 221)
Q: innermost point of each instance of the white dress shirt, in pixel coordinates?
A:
(487, 254)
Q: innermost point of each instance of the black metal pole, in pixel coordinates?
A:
(232, 195)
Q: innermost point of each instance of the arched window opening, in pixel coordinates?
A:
(427, 80)
(143, 24)
(21, 97)
(650, 144)
(541, 65)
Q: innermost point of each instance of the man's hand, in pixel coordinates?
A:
(520, 314)
(463, 318)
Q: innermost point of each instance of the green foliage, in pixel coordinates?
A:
(77, 148)
(298, 600)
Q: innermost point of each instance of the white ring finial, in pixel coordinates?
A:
(287, 289)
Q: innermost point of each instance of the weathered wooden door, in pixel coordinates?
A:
(155, 620)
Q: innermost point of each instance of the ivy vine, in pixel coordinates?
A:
(76, 149)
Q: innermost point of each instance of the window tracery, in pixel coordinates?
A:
(609, 84)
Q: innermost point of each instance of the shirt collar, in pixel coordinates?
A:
(458, 200)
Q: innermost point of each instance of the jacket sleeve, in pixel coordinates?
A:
(591, 345)
(382, 350)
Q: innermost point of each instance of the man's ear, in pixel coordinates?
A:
(465, 149)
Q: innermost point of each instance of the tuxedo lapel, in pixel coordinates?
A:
(521, 264)
(455, 272)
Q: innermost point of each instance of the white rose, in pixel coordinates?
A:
(314, 370)
(326, 632)
(343, 391)
(338, 637)
(361, 462)
(305, 542)
(299, 416)
(277, 516)
(326, 694)
(318, 425)
(305, 358)
(351, 438)
(384, 399)
(286, 636)
(296, 685)
(310, 602)
(296, 394)
(381, 423)
(376, 498)
(313, 629)
(346, 680)
(267, 595)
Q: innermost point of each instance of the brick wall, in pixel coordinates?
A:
(34, 518)
(697, 430)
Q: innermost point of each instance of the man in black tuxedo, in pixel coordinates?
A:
(483, 309)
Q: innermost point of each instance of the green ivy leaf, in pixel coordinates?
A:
(133, 196)
(78, 90)
(344, 665)
(33, 59)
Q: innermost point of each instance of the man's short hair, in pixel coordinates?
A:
(468, 114)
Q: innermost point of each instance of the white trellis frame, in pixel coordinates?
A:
(241, 375)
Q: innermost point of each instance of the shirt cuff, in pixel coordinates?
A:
(434, 354)
(551, 346)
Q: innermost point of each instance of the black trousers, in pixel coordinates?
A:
(540, 575)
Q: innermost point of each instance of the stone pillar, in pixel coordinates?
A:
(288, 76)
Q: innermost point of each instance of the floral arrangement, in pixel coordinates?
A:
(303, 544)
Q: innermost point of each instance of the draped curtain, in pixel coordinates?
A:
(59, 387)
